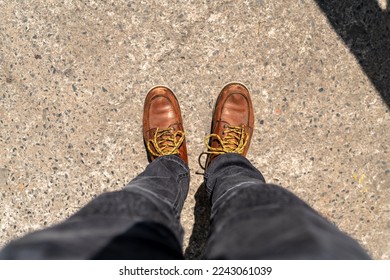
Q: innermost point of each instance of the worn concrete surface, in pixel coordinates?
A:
(74, 74)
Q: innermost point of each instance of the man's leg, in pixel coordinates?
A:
(251, 219)
(139, 222)
(254, 220)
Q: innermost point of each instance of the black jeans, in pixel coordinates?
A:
(249, 220)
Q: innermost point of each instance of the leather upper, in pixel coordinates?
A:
(162, 111)
(233, 108)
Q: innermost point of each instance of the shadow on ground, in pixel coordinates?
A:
(200, 232)
(365, 28)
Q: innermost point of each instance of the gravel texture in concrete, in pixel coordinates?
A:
(74, 75)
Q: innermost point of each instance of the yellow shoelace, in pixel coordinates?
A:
(165, 142)
(234, 140)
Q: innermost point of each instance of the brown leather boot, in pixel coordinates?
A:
(233, 122)
(163, 125)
